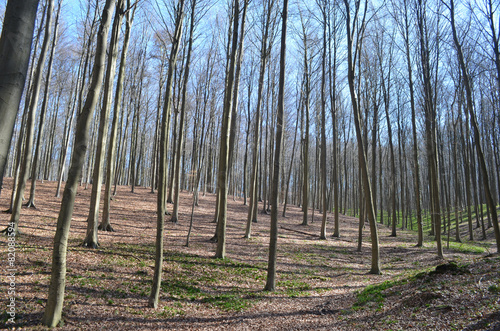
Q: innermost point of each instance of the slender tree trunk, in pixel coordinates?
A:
(305, 146)
(165, 126)
(430, 125)
(393, 158)
(291, 164)
(375, 265)
(180, 140)
(477, 136)
(68, 124)
(273, 239)
(112, 150)
(264, 54)
(91, 240)
(41, 125)
(323, 172)
(222, 182)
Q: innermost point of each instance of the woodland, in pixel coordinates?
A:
(250, 164)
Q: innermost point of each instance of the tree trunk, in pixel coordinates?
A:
(41, 125)
(264, 54)
(477, 136)
(112, 150)
(180, 140)
(165, 126)
(222, 182)
(273, 239)
(430, 125)
(30, 122)
(15, 50)
(375, 265)
(324, 191)
(53, 309)
(91, 240)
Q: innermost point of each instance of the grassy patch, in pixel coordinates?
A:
(467, 248)
(295, 288)
(228, 301)
(374, 294)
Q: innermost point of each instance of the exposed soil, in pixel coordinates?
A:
(320, 282)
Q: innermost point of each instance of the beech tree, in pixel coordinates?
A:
(30, 121)
(222, 180)
(268, 22)
(273, 236)
(15, 50)
(477, 136)
(430, 121)
(43, 111)
(91, 240)
(117, 109)
(53, 309)
(355, 29)
(180, 140)
(165, 128)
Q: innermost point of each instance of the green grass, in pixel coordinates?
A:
(426, 219)
(467, 247)
(374, 294)
(228, 301)
(295, 288)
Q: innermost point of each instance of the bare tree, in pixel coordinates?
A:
(357, 31)
(15, 50)
(111, 157)
(53, 309)
(268, 23)
(165, 127)
(222, 176)
(41, 124)
(477, 136)
(430, 121)
(91, 240)
(273, 237)
(30, 121)
(180, 140)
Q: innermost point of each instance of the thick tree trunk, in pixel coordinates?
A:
(30, 122)
(15, 50)
(53, 309)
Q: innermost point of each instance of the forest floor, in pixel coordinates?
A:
(321, 284)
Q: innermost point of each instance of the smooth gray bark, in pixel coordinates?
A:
(273, 237)
(15, 50)
(53, 309)
(162, 178)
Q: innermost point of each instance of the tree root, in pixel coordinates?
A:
(90, 244)
(106, 228)
(30, 204)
